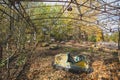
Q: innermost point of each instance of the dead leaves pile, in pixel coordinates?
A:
(104, 71)
(41, 69)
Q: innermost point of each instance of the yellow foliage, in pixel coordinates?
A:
(99, 35)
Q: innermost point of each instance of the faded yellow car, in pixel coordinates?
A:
(77, 64)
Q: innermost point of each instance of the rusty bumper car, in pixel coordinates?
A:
(76, 64)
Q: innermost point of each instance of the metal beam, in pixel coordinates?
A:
(7, 14)
(66, 18)
(44, 0)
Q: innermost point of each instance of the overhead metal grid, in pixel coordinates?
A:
(104, 8)
(110, 10)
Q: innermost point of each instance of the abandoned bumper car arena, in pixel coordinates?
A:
(59, 39)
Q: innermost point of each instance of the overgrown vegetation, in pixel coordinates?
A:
(29, 33)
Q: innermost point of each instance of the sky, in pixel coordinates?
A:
(110, 23)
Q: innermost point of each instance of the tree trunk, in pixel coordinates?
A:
(119, 41)
(102, 36)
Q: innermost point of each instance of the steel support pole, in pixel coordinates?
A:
(119, 36)
(119, 40)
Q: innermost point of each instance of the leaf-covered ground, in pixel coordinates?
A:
(104, 63)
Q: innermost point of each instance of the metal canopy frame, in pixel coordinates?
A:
(101, 9)
(104, 8)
